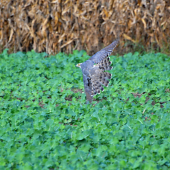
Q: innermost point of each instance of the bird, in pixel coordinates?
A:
(94, 71)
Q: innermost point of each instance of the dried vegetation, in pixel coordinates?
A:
(65, 25)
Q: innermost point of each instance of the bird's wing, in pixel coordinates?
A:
(105, 52)
(94, 84)
(99, 78)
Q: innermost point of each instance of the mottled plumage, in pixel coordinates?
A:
(94, 75)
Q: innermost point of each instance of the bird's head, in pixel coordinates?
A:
(79, 65)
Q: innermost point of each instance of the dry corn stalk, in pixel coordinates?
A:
(64, 25)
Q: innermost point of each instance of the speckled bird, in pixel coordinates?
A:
(94, 75)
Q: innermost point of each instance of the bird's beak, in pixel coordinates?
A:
(78, 65)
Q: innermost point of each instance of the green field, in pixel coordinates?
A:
(45, 122)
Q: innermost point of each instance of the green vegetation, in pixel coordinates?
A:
(45, 123)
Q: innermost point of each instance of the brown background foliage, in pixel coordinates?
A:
(65, 25)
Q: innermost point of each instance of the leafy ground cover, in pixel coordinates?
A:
(45, 123)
